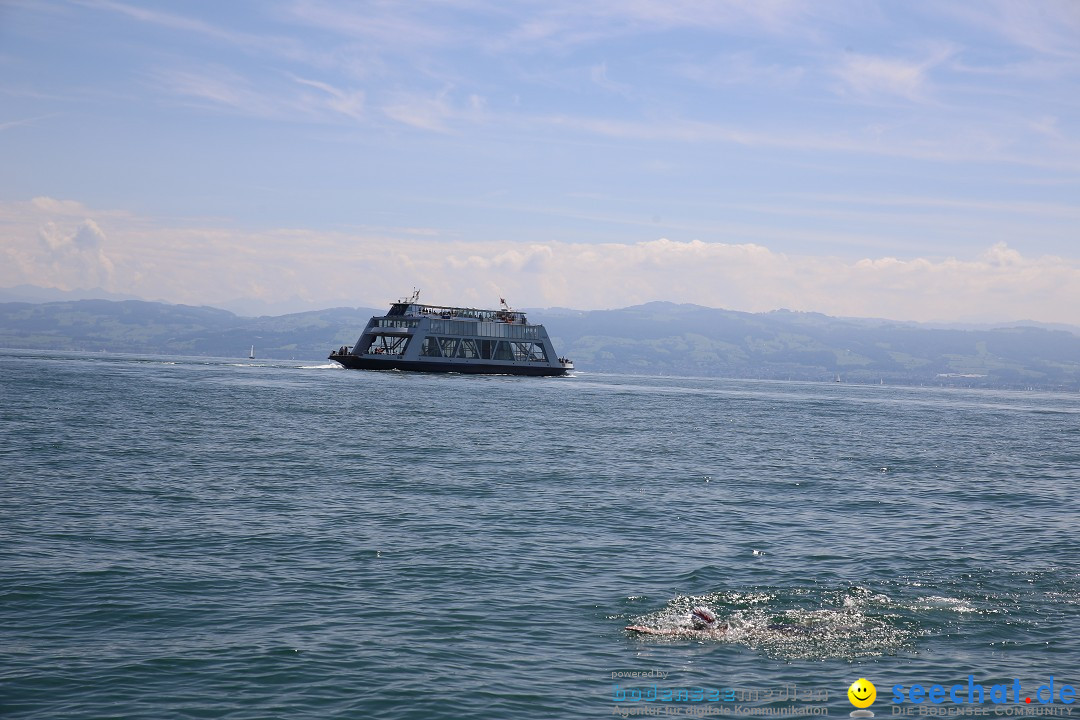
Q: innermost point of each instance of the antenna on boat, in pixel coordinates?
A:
(415, 296)
(506, 305)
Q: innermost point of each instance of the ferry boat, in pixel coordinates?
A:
(437, 338)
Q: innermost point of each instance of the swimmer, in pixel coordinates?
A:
(703, 624)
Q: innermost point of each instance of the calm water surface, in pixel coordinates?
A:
(187, 538)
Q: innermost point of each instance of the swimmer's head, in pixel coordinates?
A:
(703, 618)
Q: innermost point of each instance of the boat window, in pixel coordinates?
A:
(397, 323)
(502, 351)
(384, 344)
(463, 327)
(467, 349)
(388, 345)
(430, 348)
(504, 330)
(529, 352)
(448, 346)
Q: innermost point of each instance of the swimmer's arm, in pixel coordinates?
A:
(686, 632)
(651, 631)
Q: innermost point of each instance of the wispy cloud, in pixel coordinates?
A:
(421, 111)
(1019, 208)
(26, 121)
(346, 102)
(599, 75)
(392, 26)
(397, 28)
(220, 87)
(435, 112)
(280, 45)
(871, 75)
(564, 23)
(226, 89)
(1048, 27)
(943, 147)
(741, 68)
(168, 20)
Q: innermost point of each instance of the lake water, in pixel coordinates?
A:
(190, 538)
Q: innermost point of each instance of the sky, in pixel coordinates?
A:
(907, 160)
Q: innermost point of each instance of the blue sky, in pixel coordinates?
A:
(912, 160)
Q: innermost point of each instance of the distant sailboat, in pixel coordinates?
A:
(251, 355)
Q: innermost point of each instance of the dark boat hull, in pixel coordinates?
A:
(354, 362)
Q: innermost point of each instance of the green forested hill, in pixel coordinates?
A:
(657, 338)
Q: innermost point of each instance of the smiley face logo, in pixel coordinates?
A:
(862, 693)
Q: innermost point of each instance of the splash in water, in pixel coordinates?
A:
(789, 623)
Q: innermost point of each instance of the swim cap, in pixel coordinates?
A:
(703, 617)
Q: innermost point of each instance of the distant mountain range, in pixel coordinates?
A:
(657, 338)
(240, 306)
(664, 338)
(145, 327)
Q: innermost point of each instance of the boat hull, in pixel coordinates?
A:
(357, 362)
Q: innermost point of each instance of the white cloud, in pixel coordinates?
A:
(741, 69)
(561, 24)
(960, 144)
(599, 76)
(872, 75)
(44, 245)
(270, 98)
(389, 25)
(217, 86)
(867, 75)
(1047, 27)
(166, 19)
(51, 206)
(68, 257)
(346, 102)
(420, 111)
(88, 236)
(251, 42)
(25, 121)
(434, 112)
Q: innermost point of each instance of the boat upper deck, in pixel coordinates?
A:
(414, 309)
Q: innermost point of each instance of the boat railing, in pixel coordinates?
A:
(447, 312)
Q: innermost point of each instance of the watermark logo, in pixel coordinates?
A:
(1053, 698)
(862, 694)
